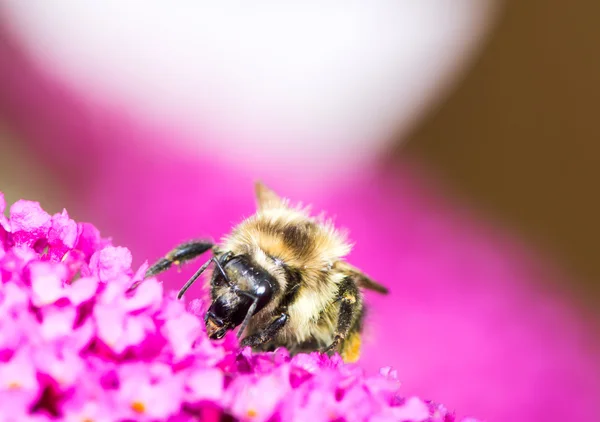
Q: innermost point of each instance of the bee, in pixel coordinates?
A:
(280, 276)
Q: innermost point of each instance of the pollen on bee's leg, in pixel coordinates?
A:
(351, 349)
(177, 263)
(350, 298)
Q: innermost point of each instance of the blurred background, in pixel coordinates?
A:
(518, 135)
(458, 137)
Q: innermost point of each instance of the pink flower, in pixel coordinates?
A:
(83, 337)
(110, 263)
(181, 332)
(19, 387)
(47, 280)
(90, 400)
(63, 365)
(251, 397)
(118, 329)
(149, 391)
(62, 235)
(29, 223)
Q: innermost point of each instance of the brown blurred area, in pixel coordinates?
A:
(519, 136)
(22, 176)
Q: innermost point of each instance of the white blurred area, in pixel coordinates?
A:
(304, 86)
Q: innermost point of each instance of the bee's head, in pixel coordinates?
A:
(234, 290)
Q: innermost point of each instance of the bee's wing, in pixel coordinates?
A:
(367, 283)
(266, 198)
(361, 279)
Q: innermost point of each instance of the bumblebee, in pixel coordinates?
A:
(280, 276)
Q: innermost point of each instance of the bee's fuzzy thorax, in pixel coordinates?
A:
(292, 236)
(282, 234)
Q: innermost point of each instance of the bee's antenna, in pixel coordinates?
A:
(187, 285)
(221, 270)
(201, 270)
(249, 313)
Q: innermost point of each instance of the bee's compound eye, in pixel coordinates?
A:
(218, 279)
(261, 290)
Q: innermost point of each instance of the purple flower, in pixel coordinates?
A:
(84, 337)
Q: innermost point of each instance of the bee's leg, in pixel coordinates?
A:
(349, 312)
(268, 333)
(184, 252)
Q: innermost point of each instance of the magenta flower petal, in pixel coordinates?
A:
(63, 230)
(62, 236)
(111, 263)
(13, 298)
(84, 338)
(110, 322)
(82, 289)
(90, 401)
(136, 330)
(148, 295)
(14, 261)
(138, 277)
(88, 411)
(19, 373)
(29, 216)
(89, 240)
(181, 332)
(19, 388)
(47, 280)
(414, 409)
(57, 322)
(29, 222)
(257, 399)
(63, 365)
(197, 307)
(205, 385)
(16, 324)
(149, 392)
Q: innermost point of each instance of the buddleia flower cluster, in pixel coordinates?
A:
(79, 343)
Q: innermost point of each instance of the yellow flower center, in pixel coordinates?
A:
(14, 385)
(138, 407)
(252, 413)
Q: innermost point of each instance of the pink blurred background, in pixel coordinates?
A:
(154, 123)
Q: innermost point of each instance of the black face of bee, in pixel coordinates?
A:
(240, 284)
